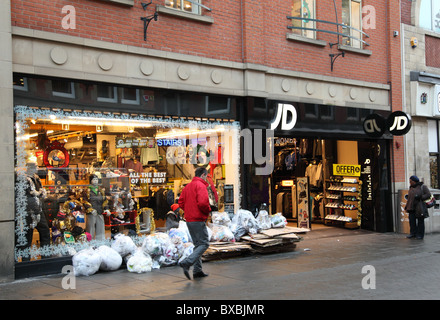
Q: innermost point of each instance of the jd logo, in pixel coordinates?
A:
(398, 124)
(374, 125)
(282, 116)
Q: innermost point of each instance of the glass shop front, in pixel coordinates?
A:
(95, 160)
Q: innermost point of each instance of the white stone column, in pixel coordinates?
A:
(7, 209)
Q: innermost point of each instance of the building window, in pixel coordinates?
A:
(217, 105)
(107, 94)
(352, 17)
(429, 15)
(187, 6)
(20, 83)
(304, 9)
(311, 111)
(62, 88)
(130, 96)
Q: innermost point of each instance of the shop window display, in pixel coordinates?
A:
(82, 177)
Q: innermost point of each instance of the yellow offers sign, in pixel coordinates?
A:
(352, 170)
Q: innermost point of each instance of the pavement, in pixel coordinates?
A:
(328, 264)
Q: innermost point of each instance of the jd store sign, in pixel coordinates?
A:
(398, 123)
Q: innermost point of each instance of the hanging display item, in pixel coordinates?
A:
(56, 156)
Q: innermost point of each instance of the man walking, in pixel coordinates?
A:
(194, 201)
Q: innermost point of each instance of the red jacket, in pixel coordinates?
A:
(194, 200)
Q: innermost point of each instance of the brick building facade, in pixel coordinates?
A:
(241, 49)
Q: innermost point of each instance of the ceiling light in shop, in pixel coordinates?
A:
(102, 123)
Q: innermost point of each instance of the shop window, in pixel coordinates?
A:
(130, 96)
(62, 88)
(352, 16)
(304, 9)
(434, 155)
(183, 5)
(136, 165)
(107, 93)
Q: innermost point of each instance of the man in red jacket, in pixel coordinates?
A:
(194, 202)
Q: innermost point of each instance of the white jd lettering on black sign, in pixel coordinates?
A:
(282, 116)
(398, 124)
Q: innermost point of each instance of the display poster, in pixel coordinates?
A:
(302, 196)
(350, 170)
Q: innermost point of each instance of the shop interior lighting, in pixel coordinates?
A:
(102, 122)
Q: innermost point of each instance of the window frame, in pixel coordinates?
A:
(195, 9)
(70, 95)
(432, 6)
(352, 42)
(106, 99)
(130, 101)
(303, 33)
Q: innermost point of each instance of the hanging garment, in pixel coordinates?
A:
(150, 154)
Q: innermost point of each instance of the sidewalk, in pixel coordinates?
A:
(327, 264)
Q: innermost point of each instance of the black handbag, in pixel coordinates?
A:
(421, 210)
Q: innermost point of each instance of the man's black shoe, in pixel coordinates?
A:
(185, 270)
(200, 274)
(411, 236)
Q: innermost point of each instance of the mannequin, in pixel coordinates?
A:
(35, 219)
(96, 204)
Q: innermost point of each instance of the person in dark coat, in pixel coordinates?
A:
(417, 192)
(194, 201)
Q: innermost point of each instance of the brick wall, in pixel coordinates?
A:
(264, 33)
(432, 50)
(405, 7)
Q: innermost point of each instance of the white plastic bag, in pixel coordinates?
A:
(178, 233)
(86, 262)
(220, 218)
(110, 259)
(139, 262)
(244, 222)
(156, 244)
(263, 219)
(184, 228)
(278, 220)
(221, 233)
(187, 250)
(123, 245)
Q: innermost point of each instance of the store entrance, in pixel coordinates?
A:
(321, 183)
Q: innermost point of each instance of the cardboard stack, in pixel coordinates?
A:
(267, 241)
